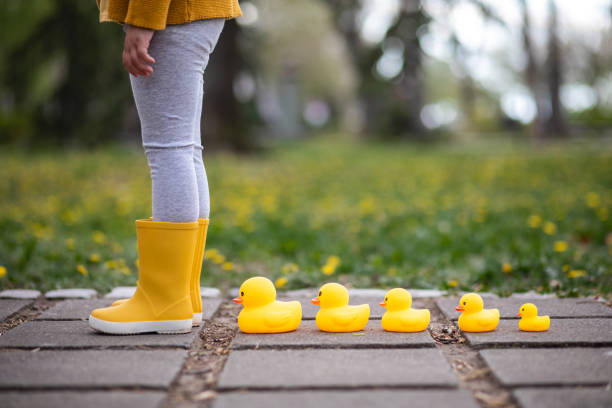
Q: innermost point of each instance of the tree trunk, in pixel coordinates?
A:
(556, 122)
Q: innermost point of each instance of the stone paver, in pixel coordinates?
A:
(564, 397)
(335, 368)
(309, 311)
(509, 307)
(309, 335)
(79, 309)
(78, 399)
(10, 306)
(59, 334)
(73, 309)
(349, 398)
(75, 293)
(561, 332)
(19, 294)
(88, 368)
(568, 366)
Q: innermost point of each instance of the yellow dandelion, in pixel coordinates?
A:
(392, 271)
(592, 200)
(333, 260)
(560, 246)
(2, 272)
(81, 269)
(576, 273)
(289, 267)
(110, 264)
(227, 266)
(125, 270)
(280, 282)
(534, 221)
(218, 259)
(328, 269)
(565, 268)
(95, 257)
(549, 228)
(452, 283)
(602, 213)
(98, 237)
(69, 244)
(506, 268)
(137, 263)
(211, 253)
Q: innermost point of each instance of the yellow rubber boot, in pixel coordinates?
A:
(162, 301)
(196, 271)
(196, 297)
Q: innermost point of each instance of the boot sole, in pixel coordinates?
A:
(197, 319)
(158, 326)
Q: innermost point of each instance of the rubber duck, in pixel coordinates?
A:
(530, 321)
(262, 313)
(473, 317)
(400, 317)
(336, 315)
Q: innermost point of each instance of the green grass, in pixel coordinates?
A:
(495, 217)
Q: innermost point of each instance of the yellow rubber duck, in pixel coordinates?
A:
(400, 317)
(262, 313)
(336, 315)
(530, 321)
(473, 317)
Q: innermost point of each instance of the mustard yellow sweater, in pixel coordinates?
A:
(156, 14)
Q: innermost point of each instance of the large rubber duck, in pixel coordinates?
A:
(400, 317)
(530, 321)
(336, 315)
(473, 317)
(262, 313)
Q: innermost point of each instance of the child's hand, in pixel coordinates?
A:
(136, 58)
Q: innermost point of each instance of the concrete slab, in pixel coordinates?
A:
(75, 293)
(560, 366)
(70, 334)
(555, 308)
(583, 332)
(309, 311)
(78, 399)
(19, 294)
(89, 368)
(73, 309)
(349, 398)
(209, 292)
(210, 306)
(335, 368)
(309, 335)
(11, 306)
(564, 397)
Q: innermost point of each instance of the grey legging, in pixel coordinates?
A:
(169, 104)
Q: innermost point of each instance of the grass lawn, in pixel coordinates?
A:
(490, 216)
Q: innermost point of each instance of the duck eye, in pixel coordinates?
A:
(386, 299)
(320, 292)
(241, 293)
(464, 303)
(523, 309)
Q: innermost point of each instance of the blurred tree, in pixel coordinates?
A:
(61, 78)
(556, 125)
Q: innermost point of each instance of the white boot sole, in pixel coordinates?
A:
(159, 326)
(197, 319)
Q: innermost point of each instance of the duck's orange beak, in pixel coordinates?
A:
(237, 300)
(459, 308)
(315, 301)
(519, 314)
(383, 304)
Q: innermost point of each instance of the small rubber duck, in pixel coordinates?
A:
(262, 313)
(530, 321)
(473, 317)
(336, 315)
(400, 317)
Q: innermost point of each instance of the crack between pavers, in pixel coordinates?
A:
(538, 345)
(91, 348)
(354, 387)
(26, 314)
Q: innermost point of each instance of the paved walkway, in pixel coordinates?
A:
(49, 357)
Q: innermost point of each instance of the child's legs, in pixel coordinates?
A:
(169, 107)
(202, 180)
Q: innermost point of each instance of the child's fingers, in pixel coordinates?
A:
(143, 54)
(141, 67)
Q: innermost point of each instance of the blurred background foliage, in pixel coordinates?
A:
(403, 69)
